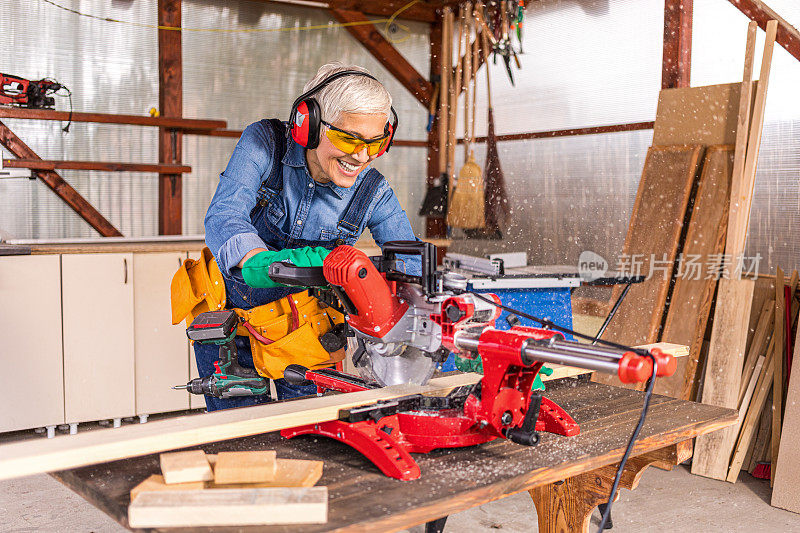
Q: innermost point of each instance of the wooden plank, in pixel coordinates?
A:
(758, 346)
(697, 115)
(185, 467)
(41, 164)
(25, 458)
(693, 293)
(105, 118)
(778, 335)
(420, 11)
(742, 197)
(245, 467)
(787, 35)
(170, 103)
(653, 233)
(57, 184)
(785, 494)
(677, 57)
(388, 56)
(749, 391)
(742, 130)
(156, 483)
(288, 473)
(229, 507)
(712, 453)
(751, 418)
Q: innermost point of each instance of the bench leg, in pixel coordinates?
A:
(567, 505)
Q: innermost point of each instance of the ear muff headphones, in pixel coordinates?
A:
(305, 119)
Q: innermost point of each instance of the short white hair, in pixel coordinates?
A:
(349, 94)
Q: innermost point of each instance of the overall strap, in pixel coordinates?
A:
(361, 200)
(274, 181)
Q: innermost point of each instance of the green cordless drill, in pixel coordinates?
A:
(229, 378)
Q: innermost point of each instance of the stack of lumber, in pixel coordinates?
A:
(766, 388)
(229, 489)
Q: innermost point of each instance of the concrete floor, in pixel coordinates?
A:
(665, 502)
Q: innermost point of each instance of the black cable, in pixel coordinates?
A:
(645, 406)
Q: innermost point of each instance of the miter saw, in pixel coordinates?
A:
(405, 324)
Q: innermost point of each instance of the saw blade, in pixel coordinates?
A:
(395, 363)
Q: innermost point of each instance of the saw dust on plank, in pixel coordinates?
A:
(692, 296)
(654, 232)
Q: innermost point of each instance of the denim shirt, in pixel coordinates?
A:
(311, 210)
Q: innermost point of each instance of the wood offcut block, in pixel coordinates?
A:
(185, 467)
(229, 507)
(245, 467)
(156, 483)
(288, 473)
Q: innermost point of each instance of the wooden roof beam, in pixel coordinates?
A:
(386, 54)
(787, 35)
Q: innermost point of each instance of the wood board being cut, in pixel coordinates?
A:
(25, 458)
(654, 232)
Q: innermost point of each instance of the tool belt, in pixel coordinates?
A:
(281, 333)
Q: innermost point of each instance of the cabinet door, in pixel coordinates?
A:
(196, 401)
(32, 394)
(159, 347)
(97, 293)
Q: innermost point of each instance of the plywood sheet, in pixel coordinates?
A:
(652, 243)
(692, 296)
(784, 493)
(698, 115)
(724, 373)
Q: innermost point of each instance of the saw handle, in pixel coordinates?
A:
(289, 274)
(427, 253)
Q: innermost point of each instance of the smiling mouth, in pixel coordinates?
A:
(348, 168)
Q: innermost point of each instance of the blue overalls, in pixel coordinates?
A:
(240, 295)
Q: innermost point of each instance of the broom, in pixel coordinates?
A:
(495, 196)
(466, 206)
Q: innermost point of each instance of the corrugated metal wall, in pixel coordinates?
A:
(586, 62)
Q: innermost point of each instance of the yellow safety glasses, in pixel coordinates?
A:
(351, 143)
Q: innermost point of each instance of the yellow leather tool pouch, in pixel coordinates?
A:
(197, 287)
(281, 340)
(281, 333)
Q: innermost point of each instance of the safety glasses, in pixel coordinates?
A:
(350, 143)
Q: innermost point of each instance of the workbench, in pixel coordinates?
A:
(566, 476)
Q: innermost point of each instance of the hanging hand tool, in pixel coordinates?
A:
(229, 378)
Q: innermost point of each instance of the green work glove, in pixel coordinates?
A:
(475, 365)
(256, 269)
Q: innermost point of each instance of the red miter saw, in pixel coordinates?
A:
(405, 325)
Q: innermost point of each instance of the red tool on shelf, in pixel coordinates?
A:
(27, 93)
(405, 324)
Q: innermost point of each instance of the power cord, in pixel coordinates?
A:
(645, 406)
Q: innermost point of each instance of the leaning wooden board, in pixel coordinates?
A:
(784, 493)
(693, 294)
(32, 457)
(655, 228)
(363, 499)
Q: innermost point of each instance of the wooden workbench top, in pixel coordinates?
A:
(361, 498)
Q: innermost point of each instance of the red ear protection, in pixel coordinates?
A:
(305, 123)
(305, 118)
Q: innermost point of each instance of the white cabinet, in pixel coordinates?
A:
(160, 349)
(97, 293)
(32, 394)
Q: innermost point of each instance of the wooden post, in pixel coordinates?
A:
(786, 36)
(435, 226)
(170, 102)
(677, 59)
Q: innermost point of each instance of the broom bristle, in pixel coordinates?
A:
(466, 208)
